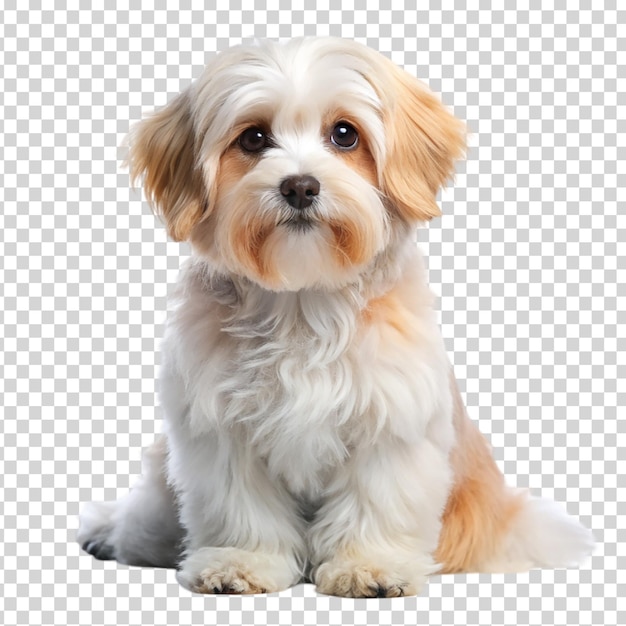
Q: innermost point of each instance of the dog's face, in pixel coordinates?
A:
(295, 165)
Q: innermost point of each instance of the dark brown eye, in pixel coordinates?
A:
(253, 140)
(344, 136)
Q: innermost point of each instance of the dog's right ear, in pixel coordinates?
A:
(163, 150)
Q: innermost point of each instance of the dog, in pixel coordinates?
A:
(313, 427)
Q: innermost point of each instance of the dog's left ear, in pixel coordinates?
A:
(423, 142)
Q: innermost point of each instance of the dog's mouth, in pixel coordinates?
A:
(299, 221)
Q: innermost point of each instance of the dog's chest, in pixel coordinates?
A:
(299, 380)
(295, 396)
(298, 385)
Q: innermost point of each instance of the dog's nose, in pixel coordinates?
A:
(300, 191)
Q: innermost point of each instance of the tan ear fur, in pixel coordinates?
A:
(424, 141)
(162, 149)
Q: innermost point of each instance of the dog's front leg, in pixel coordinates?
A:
(376, 532)
(244, 534)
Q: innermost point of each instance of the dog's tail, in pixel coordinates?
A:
(490, 527)
(542, 534)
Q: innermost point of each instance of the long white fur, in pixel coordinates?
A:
(281, 413)
(295, 444)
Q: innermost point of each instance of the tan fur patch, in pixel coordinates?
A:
(360, 159)
(389, 311)
(163, 150)
(423, 142)
(362, 162)
(349, 248)
(248, 245)
(234, 165)
(247, 240)
(480, 507)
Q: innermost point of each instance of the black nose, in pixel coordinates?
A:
(299, 191)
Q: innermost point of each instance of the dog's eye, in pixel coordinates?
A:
(253, 140)
(344, 136)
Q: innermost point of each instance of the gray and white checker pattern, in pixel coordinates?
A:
(525, 259)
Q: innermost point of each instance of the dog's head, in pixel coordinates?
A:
(294, 165)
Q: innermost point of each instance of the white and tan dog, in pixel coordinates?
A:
(313, 427)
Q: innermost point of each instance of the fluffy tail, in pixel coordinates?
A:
(543, 535)
(489, 527)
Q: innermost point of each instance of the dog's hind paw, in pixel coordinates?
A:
(95, 528)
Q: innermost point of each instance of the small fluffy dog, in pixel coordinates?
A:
(313, 426)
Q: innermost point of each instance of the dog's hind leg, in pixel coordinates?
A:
(490, 527)
(140, 528)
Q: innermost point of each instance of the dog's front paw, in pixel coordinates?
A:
(362, 579)
(230, 570)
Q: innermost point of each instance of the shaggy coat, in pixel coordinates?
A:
(313, 427)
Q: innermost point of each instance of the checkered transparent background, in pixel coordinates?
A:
(525, 259)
